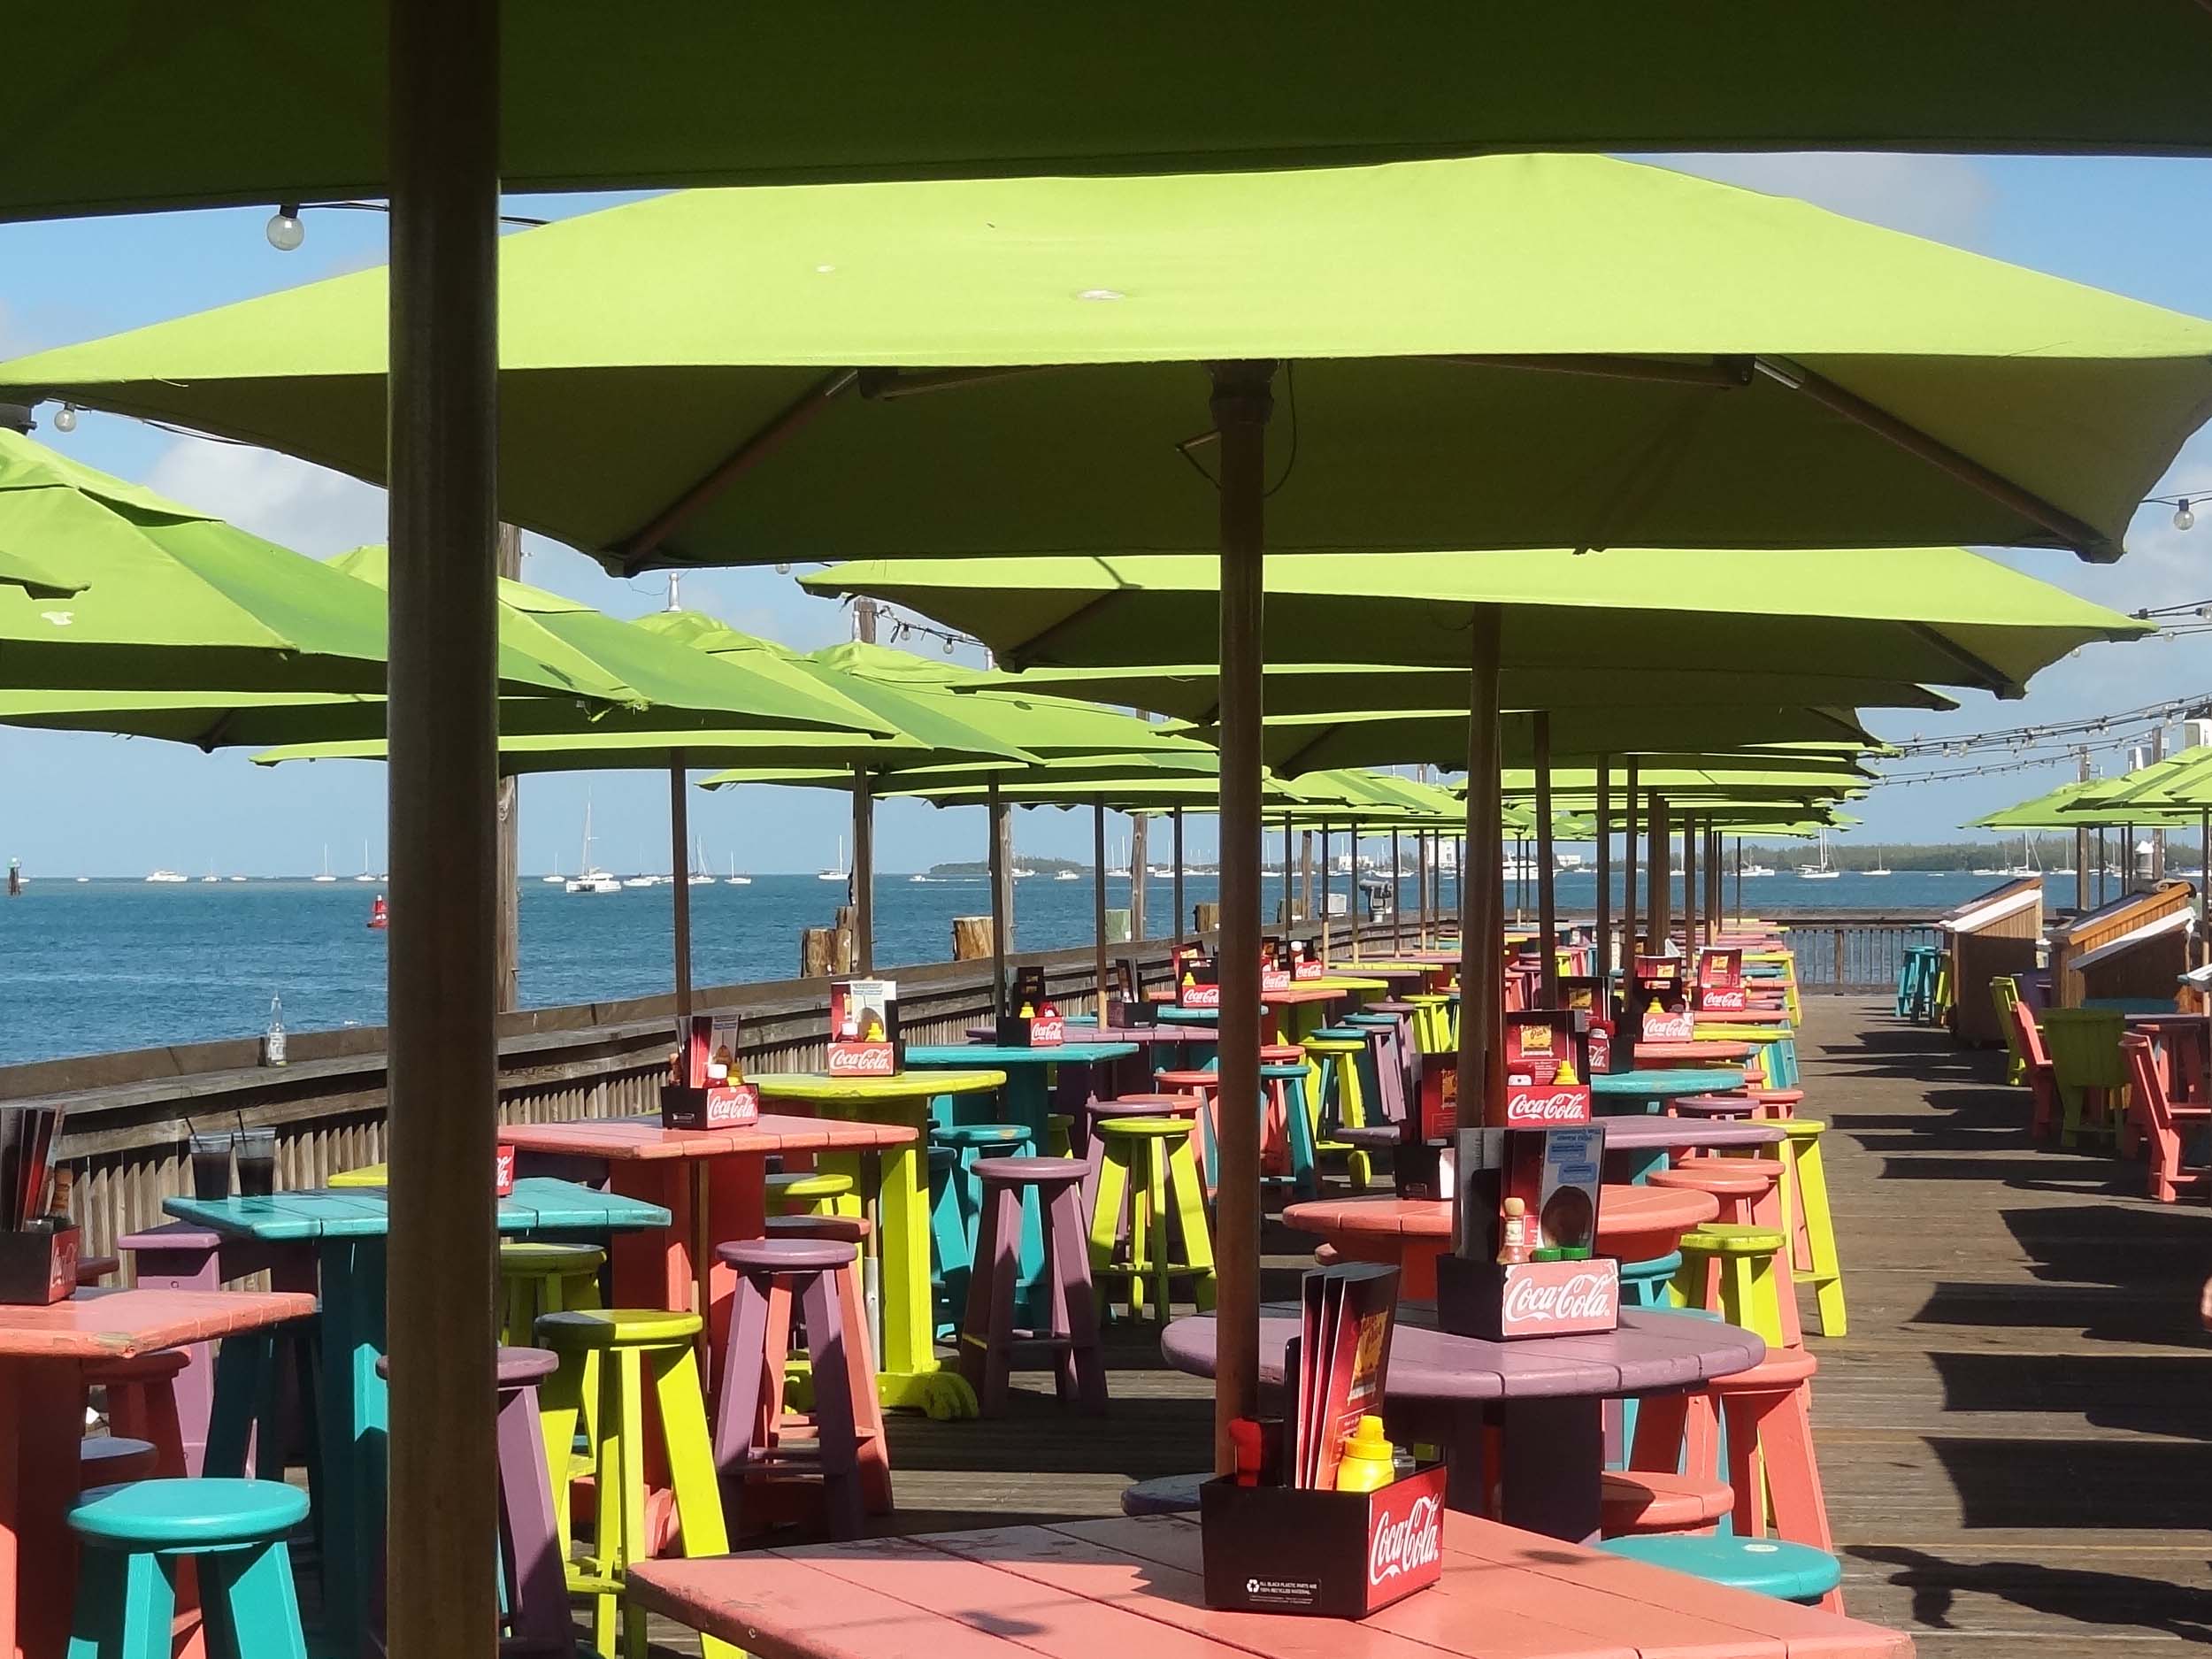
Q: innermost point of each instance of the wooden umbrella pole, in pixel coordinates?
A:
(1098, 906)
(864, 869)
(1658, 876)
(1241, 404)
(1322, 916)
(1629, 831)
(1691, 899)
(1177, 836)
(442, 445)
(1140, 875)
(1740, 910)
(1547, 895)
(1290, 904)
(1604, 958)
(1394, 890)
(679, 901)
(1001, 920)
(1482, 891)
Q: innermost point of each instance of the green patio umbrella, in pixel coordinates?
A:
(158, 597)
(1296, 744)
(34, 578)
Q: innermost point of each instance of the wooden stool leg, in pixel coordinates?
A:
(986, 1335)
(1660, 1423)
(125, 1607)
(560, 1402)
(677, 1391)
(737, 1416)
(1181, 1174)
(1823, 1268)
(619, 1499)
(253, 1590)
(875, 1451)
(537, 1596)
(1078, 1303)
(1106, 1208)
(1158, 1231)
(833, 1384)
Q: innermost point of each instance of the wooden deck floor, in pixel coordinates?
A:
(2015, 1436)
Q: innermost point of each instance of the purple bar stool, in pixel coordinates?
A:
(988, 1338)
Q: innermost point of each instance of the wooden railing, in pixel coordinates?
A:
(1854, 953)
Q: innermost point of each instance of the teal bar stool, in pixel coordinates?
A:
(1645, 1285)
(970, 1144)
(1765, 1566)
(134, 1535)
(951, 1256)
(1288, 1077)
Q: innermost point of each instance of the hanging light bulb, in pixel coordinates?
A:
(782, 569)
(65, 418)
(2183, 516)
(284, 230)
(949, 645)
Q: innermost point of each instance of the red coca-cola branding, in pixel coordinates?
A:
(863, 1059)
(1600, 1047)
(1560, 1298)
(1271, 979)
(1546, 1106)
(1308, 968)
(503, 1171)
(1048, 1031)
(1724, 999)
(1198, 994)
(1405, 1542)
(1662, 1026)
(722, 1107)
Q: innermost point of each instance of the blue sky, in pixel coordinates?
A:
(79, 804)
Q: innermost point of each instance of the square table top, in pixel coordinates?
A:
(540, 1204)
(119, 1324)
(960, 1054)
(644, 1139)
(1086, 1589)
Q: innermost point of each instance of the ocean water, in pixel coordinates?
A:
(112, 964)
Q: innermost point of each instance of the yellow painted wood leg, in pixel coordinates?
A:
(909, 1375)
(1190, 1215)
(619, 1493)
(1358, 1166)
(1686, 1288)
(1826, 1272)
(559, 1402)
(1113, 1192)
(690, 1469)
(1156, 1220)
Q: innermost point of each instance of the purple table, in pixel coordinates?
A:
(1634, 1146)
(1546, 1395)
(1129, 1075)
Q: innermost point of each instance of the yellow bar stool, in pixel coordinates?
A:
(1333, 1076)
(1431, 1032)
(812, 1193)
(1148, 1169)
(1810, 1225)
(1728, 1268)
(625, 1343)
(540, 1279)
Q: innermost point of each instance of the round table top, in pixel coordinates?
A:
(960, 1057)
(1693, 1053)
(821, 1088)
(2160, 1021)
(1622, 1212)
(1654, 1348)
(1634, 1132)
(1666, 1082)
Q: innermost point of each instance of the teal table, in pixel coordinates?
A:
(346, 1230)
(1648, 1092)
(1028, 1100)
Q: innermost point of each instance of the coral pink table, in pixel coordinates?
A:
(1635, 1224)
(43, 1352)
(1082, 1589)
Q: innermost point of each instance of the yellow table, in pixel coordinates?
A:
(909, 1372)
(367, 1175)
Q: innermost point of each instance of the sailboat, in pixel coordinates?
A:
(556, 879)
(733, 879)
(699, 877)
(1879, 868)
(589, 879)
(1823, 870)
(211, 877)
(365, 875)
(326, 875)
(836, 873)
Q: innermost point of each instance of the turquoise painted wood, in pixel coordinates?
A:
(1649, 1091)
(134, 1534)
(1027, 1094)
(1765, 1566)
(348, 1229)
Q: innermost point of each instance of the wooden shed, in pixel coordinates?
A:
(2130, 950)
(1991, 935)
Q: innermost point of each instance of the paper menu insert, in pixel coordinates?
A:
(1341, 1360)
(864, 1028)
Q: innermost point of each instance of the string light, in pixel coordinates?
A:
(284, 229)
(65, 418)
(2184, 519)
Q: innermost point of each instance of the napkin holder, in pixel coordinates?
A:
(723, 1106)
(38, 1266)
(1322, 1553)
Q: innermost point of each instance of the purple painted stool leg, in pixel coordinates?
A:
(1082, 1368)
(987, 1328)
(834, 1400)
(743, 1380)
(537, 1596)
(178, 1255)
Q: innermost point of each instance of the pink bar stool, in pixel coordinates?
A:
(988, 1339)
(874, 1453)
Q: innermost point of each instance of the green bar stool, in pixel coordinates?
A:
(1336, 1054)
(133, 1537)
(535, 1279)
(1148, 1166)
(1728, 1268)
(1765, 1566)
(812, 1193)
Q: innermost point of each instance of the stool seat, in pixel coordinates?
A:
(521, 1254)
(107, 1459)
(1187, 1079)
(1048, 1172)
(1142, 1106)
(1725, 1182)
(1164, 1494)
(1276, 1053)
(1638, 1501)
(785, 1255)
(1286, 1069)
(796, 1185)
(1800, 1128)
(1712, 1164)
(1153, 1128)
(1729, 1238)
(188, 1515)
(159, 1366)
(958, 1135)
(847, 1229)
(1766, 1566)
(1348, 1044)
(1782, 1367)
(517, 1365)
(1715, 1106)
(582, 1328)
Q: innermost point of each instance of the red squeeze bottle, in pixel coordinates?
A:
(1244, 1435)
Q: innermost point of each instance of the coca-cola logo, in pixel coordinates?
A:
(1584, 1297)
(1408, 1545)
(860, 1059)
(1048, 1031)
(1202, 996)
(1535, 1108)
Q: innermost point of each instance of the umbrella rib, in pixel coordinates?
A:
(2087, 541)
(1990, 676)
(757, 447)
(1020, 653)
(1720, 373)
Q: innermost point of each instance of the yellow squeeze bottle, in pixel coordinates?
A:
(1368, 1461)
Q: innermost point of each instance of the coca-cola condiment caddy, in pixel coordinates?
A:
(1659, 1001)
(864, 1028)
(1035, 1021)
(1198, 982)
(707, 1088)
(1544, 1088)
(1720, 982)
(1524, 1222)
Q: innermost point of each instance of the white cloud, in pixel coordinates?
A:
(1947, 197)
(291, 501)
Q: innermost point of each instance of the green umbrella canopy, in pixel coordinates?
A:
(2180, 784)
(225, 107)
(2058, 810)
(34, 578)
(173, 599)
(1296, 744)
(1191, 691)
(1635, 357)
(1940, 615)
(585, 749)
